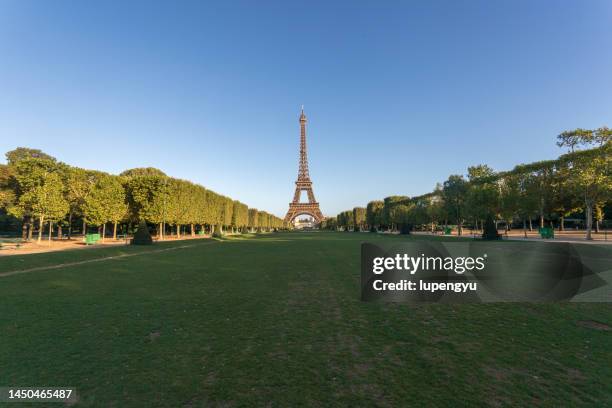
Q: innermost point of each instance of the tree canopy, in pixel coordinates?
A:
(36, 188)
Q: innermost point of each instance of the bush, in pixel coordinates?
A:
(405, 229)
(142, 235)
(490, 230)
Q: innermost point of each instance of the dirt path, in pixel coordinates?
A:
(106, 258)
(33, 247)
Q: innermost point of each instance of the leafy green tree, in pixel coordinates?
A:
(509, 198)
(374, 214)
(179, 196)
(602, 136)
(346, 220)
(419, 215)
(143, 171)
(389, 203)
(148, 198)
(15, 156)
(253, 219)
(214, 209)
(106, 203)
(79, 183)
(564, 200)
(240, 216)
(329, 223)
(198, 212)
(227, 210)
(482, 198)
(263, 221)
(40, 192)
(454, 191)
(145, 194)
(591, 176)
(359, 218)
(573, 138)
(436, 210)
(540, 185)
(529, 201)
(400, 215)
(7, 193)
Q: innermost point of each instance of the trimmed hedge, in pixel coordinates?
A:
(142, 235)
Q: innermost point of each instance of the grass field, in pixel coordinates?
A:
(276, 319)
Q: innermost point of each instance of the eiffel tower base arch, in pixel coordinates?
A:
(296, 209)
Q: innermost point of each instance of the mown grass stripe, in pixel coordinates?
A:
(106, 258)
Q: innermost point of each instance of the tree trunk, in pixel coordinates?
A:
(524, 228)
(178, 231)
(84, 227)
(70, 225)
(24, 229)
(597, 226)
(530, 225)
(115, 231)
(103, 231)
(541, 221)
(192, 230)
(589, 220)
(50, 231)
(562, 224)
(59, 231)
(40, 227)
(160, 234)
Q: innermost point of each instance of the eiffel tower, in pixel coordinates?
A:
(303, 183)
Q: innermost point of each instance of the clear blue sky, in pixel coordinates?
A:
(398, 95)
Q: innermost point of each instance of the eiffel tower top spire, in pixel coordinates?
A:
(303, 171)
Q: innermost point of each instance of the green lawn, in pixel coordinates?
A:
(277, 319)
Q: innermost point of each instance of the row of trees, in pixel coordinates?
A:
(37, 189)
(577, 183)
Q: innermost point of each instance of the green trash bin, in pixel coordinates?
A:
(547, 233)
(91, 239)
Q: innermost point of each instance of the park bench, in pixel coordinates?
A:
(10, 244)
